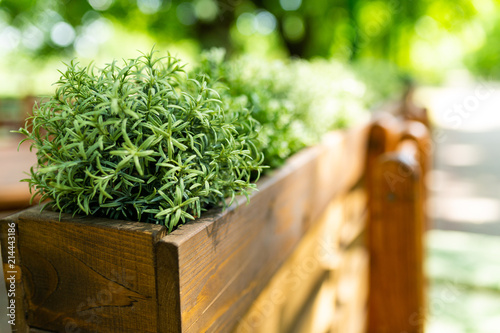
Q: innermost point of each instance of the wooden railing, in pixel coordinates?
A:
(398, 160)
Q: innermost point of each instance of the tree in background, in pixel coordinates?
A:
(418, 36)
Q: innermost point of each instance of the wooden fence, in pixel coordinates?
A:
(397, 163)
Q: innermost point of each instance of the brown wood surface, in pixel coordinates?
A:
(90, 274)
(331, 259)
(13, 165)
(226, 260)
(417, 132)
(291, 292)
(355, 216)
(396, 298)
(339, 166)
(20, 320)
(352, 291)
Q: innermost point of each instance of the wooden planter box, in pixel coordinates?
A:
(310, 253)
(93, 274)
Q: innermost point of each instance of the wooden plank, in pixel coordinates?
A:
(277, 308)
(355, 216)
(226, 259)
(243, 253)
(307, 308)
(352, 291)
(395, 243)
(318, 256)
(5, 213)
(168, 289)
(316, 315)
(339, 167)
(90, 274)
(352, 277)
(18, 293)
(223, 268)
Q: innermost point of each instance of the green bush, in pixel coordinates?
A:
(145, 141)
(141, 141)
(297, 101)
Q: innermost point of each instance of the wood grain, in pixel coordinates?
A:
(102, 275)
(20, 301)
(290, 293)
(352, 291)
(396, 298)
(89, 274)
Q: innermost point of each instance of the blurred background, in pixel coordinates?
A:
(450, 48)
(429, 40)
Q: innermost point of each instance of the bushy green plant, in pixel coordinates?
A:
(296, 101)
(264, 88)
(140, 141)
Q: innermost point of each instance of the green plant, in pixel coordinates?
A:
(263, 88)
(296, 101)
(141, 141)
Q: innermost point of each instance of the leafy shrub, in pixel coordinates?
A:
(264, 88)
(140, 141)
(297, 101)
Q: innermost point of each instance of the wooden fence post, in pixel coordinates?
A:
(417, 132)
(395, 230)
(382, 137)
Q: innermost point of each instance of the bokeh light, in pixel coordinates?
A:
(245, 24)
(186, 13)
(264, 22)
(206, 10)
(32, 37)
(149, 6)
(10, 38)
(100, 4)
(62, 34)
(290, 4)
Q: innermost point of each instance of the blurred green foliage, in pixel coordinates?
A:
(486, 60)
(423, 38)
(296, 101)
